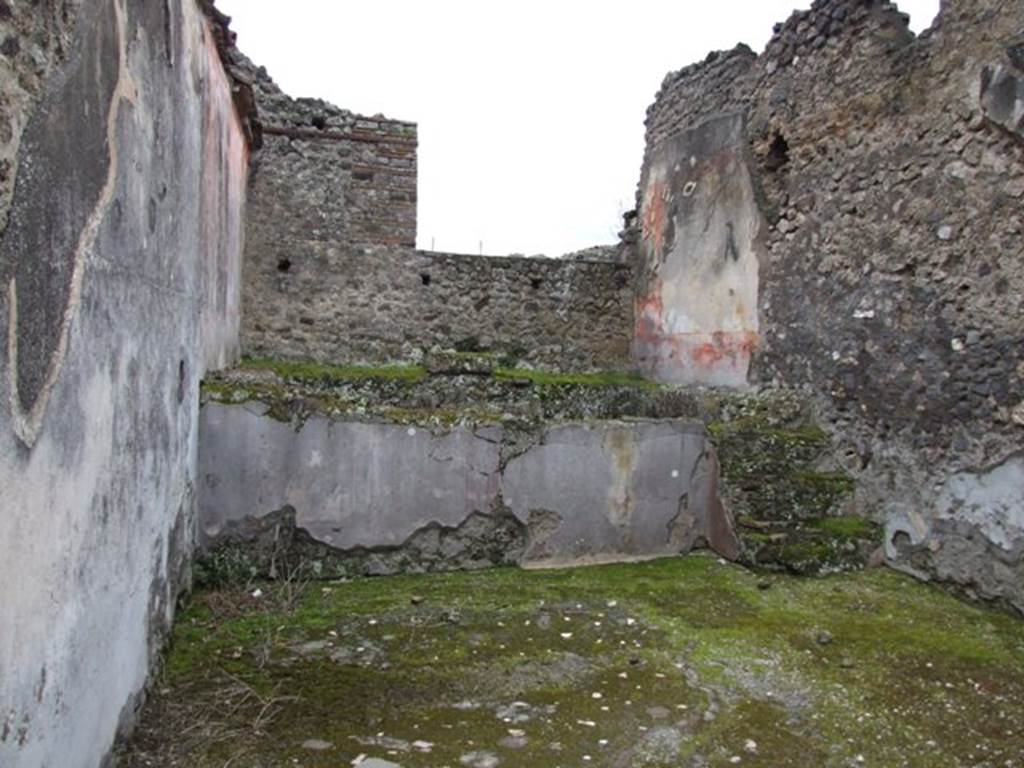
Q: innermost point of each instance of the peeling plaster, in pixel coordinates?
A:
(610, 490)
(27, 419)
(696, 316)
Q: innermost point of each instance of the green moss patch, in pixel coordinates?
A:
(847, 527)
(323, 373)
(684, 661)
(556, 379)
(448, 389)
(792, 510)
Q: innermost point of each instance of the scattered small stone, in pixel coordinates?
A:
(480, 759)
(415, 599)
(750, 746)
(846, 663)
(1017, 414)
(514, 742)
(824, 637)
(763, 585)
(658, 746)
(317, 745)
(375, 762)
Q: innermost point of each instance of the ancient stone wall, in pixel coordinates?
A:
(124, 168)
(884, 251)
(338, 303)
(331, 272)
(327, 174)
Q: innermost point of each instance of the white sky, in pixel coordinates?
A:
(530, 113)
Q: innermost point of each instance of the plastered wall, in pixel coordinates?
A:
(126, 175)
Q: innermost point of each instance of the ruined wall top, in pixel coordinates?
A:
(333, 174)
(726, 80)
(880, 240)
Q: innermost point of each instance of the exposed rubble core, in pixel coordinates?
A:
(336, 302)
(333, 275)
(328, 174)
(881, 241)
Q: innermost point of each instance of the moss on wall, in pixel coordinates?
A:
(792, 509)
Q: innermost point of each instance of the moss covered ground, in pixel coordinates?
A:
(679, 662)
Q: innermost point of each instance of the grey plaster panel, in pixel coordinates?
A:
(352, 484)
(614, 489)
(605, 491)
(992, 500)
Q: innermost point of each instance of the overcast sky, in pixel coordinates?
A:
(530, 113)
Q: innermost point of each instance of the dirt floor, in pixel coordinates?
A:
(680, 662)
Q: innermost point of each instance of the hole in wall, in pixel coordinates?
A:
(320, 122)
(181, 381)
(284, 264)
(778, 154)
(468, 344)
(11, 47)
(424, 278)
(535, 283)
(901, 542)
(168, 33)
